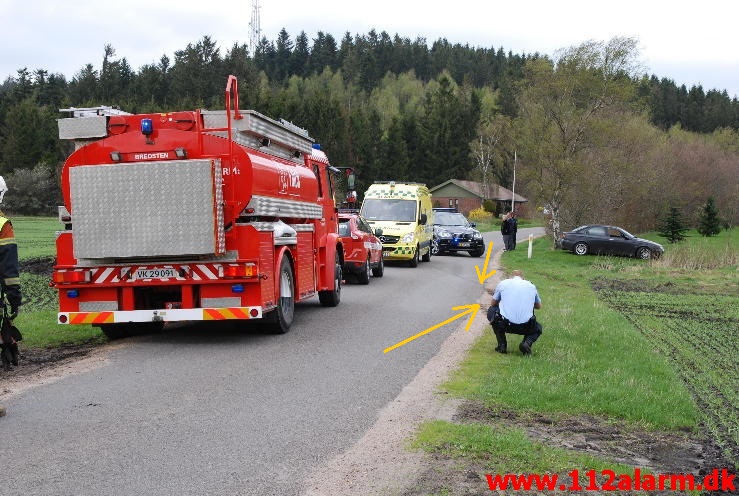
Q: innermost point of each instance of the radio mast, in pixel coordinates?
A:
(255, 29)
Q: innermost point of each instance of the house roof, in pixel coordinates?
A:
(497, 192)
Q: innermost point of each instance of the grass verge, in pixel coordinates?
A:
(503, 450)
(654, 348)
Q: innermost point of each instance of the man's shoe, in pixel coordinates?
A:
(525, 348)
(501, 348)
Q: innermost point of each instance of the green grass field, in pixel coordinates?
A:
(652, 345)
(35, 236)
(36, 239)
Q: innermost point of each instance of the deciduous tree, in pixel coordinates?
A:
(559, 104)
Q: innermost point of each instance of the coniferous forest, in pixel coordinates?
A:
(596, 139)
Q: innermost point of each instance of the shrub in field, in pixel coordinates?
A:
(33, 191)
(710, 224)
(672, 226)
(480, 215)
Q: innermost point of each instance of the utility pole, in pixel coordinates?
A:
(513, 191)
(255, 29)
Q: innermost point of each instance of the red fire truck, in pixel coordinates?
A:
(192, 216)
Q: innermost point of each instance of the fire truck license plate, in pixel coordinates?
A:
(155, 273)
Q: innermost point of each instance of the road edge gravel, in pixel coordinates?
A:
(379, 463)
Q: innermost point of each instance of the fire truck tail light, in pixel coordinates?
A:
(240, 271)
(72, 276)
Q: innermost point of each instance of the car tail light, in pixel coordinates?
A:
(71, 276)
(240, 271)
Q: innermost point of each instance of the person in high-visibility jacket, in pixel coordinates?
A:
(9, 266)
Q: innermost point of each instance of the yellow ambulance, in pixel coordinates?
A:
(404, 213)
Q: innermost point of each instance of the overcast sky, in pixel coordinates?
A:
(690, 42)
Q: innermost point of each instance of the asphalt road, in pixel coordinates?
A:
(230, 410)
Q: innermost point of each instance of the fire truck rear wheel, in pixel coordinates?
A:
(332, 298)
(281, 318)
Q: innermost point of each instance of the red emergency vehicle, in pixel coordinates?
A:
(191, 216)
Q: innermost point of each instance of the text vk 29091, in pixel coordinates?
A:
(608, 480)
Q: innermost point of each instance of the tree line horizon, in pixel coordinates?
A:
(391, 107)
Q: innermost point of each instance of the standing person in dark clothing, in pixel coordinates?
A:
(505, 230)
(513, 228)
(10, 286)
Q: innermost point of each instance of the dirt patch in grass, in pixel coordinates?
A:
(658, 452)
(603, 284)
(38, 266)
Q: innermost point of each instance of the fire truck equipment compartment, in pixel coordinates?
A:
(143, 209)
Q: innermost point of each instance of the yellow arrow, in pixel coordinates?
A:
(481, 276)
(472, 309)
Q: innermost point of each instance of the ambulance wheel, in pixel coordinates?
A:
(380, 269)
(427, 256)
(281, 318)
(413, 262)
(333, 297)
(364, 276)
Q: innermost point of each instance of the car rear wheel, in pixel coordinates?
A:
(580, 249)
(644, 253)
(364, 276)
(380, 269)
